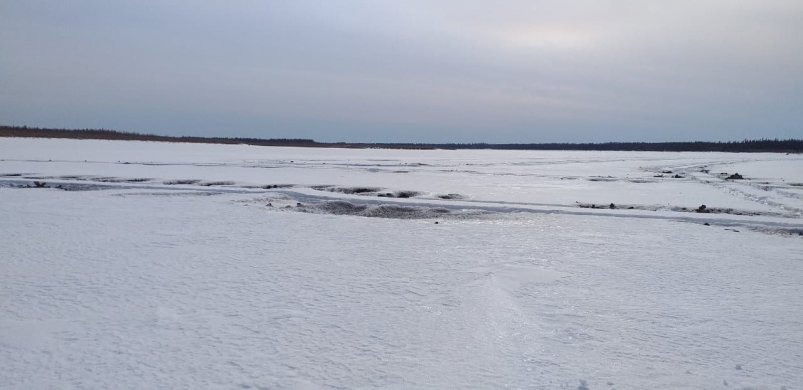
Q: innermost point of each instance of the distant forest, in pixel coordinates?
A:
(758, 145)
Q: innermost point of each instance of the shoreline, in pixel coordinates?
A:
(746, 146)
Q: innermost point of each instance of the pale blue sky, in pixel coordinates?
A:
(415, 70)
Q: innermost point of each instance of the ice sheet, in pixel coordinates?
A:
(141, 284)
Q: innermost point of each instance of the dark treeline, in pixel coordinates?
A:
(35, 132)
(760, 145)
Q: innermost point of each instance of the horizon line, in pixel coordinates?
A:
(4, 128)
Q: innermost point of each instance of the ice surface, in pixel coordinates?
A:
(153, 265)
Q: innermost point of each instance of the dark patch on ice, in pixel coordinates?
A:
(98, 184)
(59, 186)
(71, 177)
(776, 230)
(601, 178)
(137, 180)
(406, 194)
(735, 176)
(339, 207)
(272, 186)
(82, 187)
(120, 179)
(451, 196)
(614, 179)
(728, 210)
(181, 182)
(351, 190)
(216, 183)
(702, 209)
(99, 179)
(171, 193)
(613, 206)
(369, 191)
(342, 208)
(399, 194)
(39, 177)
(11, 174)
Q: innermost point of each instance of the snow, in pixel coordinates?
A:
(144, 284)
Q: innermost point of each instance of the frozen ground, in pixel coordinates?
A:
(153, 265)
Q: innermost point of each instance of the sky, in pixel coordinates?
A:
(408, 71)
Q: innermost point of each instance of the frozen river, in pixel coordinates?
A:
(158, 265)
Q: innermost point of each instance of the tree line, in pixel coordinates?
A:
(105, 134)
(756, 145)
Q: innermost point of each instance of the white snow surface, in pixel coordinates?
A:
(135, 265)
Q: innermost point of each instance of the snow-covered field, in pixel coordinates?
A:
(157, 265)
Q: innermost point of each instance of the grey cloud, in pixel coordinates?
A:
(522, 71)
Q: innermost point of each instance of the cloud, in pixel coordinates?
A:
(415, 70)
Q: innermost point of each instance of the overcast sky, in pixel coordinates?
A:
(412, 70)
